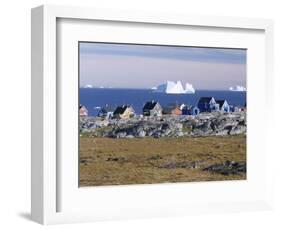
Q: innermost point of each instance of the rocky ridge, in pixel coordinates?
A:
(204, 124)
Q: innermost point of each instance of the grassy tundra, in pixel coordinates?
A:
(111, 161)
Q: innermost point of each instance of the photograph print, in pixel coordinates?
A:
(153, 114)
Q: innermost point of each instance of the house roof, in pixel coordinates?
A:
(193, 107)
(190, 107)
(220, 102)
(82, 106)
(149, 105)
(169, 109)
(204, 100)
(107, 109)
(121, 109)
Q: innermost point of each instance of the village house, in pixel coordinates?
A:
(245, 106)
(190, 110)
(106, 112)
(223, 106)
(234, 108)
(242, 109)
(124, 112)
(237, 108)
(152, 109)
(207, 104)
(172, 110)
(83, 112)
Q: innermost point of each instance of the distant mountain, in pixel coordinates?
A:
(237, 88)
(171, 87)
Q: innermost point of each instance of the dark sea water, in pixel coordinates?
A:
(93, 98)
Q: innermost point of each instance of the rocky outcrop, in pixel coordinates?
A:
(227, 168)
(204, 124)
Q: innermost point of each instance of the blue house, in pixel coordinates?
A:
(106, 112)
(207, 104)
(152, 109)
(223, 106)
(233, 108)
(190, 110)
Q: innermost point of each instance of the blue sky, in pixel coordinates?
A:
(145, 66)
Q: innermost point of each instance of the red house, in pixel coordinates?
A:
(83, 112)
(172, 110)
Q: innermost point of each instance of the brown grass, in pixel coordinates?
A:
(108, 161)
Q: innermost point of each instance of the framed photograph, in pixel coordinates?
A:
(139, 115)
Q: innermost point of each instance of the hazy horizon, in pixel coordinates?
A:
(145, 66)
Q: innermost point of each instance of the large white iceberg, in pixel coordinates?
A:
(171, 87)
(237, 88)
(189, 88)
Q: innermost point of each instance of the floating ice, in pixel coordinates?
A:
(171, 87)
(87, 86)
(189, 88)
(237, 88)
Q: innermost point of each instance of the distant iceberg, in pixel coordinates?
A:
(171, 87)
(87, 86)
(189, 88)
(237, 88)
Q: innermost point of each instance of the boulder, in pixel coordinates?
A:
(141, 133)
(121, 135)
(227, 168)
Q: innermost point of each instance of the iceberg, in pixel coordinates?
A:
(87, 86)
(189, 88)
(171, 87)
(237, 88)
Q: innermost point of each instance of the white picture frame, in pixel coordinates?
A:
(50, 205)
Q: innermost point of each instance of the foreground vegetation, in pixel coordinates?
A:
(111, 161)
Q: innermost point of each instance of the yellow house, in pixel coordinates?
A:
(124, 112)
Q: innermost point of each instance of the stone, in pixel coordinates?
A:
(187, 165)
(227, 168)
(121, 135)
(141, 133)
(204, 124)
(116, 159)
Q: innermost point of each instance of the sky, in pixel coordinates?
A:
(147, 66)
